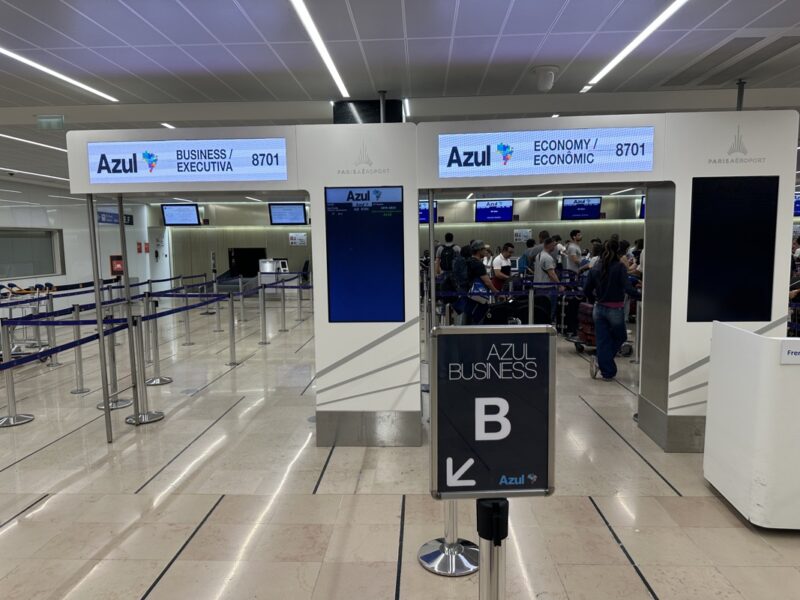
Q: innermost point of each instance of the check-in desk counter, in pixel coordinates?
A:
(752, 442)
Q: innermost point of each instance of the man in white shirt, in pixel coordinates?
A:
(500, 275)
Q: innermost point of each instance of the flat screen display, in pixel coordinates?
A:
(363, 222)
(287, 214)
(641, 207)
(744, 208)
(182, 161)
(424, 211)
(546, 152)
(180, 215)
(494, 211)
(576, 209)
(797, 205)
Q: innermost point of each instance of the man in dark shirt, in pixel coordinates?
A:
(476, 271)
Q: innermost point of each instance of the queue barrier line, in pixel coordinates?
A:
(5, 365)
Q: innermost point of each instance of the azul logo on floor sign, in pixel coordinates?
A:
(179, 161)
(546, 152)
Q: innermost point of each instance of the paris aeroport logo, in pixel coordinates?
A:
(126, 165)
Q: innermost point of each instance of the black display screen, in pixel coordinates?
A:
(724, 286)
(493, 211)
(365, 224)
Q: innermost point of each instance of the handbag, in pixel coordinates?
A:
(478, 292)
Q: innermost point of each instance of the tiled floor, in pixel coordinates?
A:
(217, 501)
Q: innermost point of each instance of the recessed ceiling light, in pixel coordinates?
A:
(544, 193)
(183, 200)
(621, 191)
(311, 28)
(331, 102)
(253, 199)
(56, 74)
(555, 116)
(11, 191)
(23, 140)
(585, 89)
(65, 197)
(407, 106)
(168, 126)
(32, 173)
(647, 32)
(471, 194)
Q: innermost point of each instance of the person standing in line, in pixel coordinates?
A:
(545, 273)
(476, 271)
(533, 251)
(501, 266)
(446, 254)
(607, 286)
(573, 252)
(558, 252)
(572, 266)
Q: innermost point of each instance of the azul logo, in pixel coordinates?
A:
(470, 158)
(505, 151)
(520, 479)
(738, 147)
(366, 196)
(118, 165)
(151, 159)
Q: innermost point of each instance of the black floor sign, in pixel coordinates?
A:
(492, 398)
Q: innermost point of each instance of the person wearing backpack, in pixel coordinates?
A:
(446, 254)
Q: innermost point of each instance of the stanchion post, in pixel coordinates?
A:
(12, 418)
(492, 530)
(450, 555)
(186, 323)
(157, 378)
(150, 286)
(262, 316)
(242, 317)
(530, 306)
(637, 342)
(231, 332)
(76, 333)
(114, 402)
(299, 300)
(37, 330)
(51, 334)
(218, 326)
(283, 307)
(145, 415)
(148, 354)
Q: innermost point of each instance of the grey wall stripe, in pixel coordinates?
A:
(368, 373)
(707, 359)
(689, 389)
(688, 405)
(386, 389)
(368, 347)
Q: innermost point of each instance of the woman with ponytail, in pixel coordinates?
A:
(606, 286)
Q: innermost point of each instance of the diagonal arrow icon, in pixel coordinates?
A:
(454, 479)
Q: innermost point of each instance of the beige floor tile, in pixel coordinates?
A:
(300, 509)
(22, 540)
(634, 512)
(241, 509)
(690, 583)
(416, 582)
(533, 580)
(592, 582)
(785, 542)
(565, 511)
(764, 583)
(422, 509)
(347, 581)
(151, 541)
(245, 580)
(367, 509)
(735, 546)
(582, 546)
(700, 512)
(363, 543)
(661, 546)
(37, 579)
(113, 580)
(85, 541)
(292, 543)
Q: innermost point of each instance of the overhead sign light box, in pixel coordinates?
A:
(546, 152)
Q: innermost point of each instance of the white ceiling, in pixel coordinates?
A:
(162, 52)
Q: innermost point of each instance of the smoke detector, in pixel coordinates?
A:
(545, 77)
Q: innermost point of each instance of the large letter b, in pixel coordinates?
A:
(499, 417)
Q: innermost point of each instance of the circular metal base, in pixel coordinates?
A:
(450, 561)
(217, 330)
(263, 343)
(231, 364)
(116, 404)
(80, 391)
(15, 420)
(160, 380)
(145, 418)
(283, 330)
(187, 344)
(208, 312)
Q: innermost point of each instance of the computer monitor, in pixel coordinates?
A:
(180, 215)
(287, 214)
(797, 205)
(494, 211)
(575, 209)
(424, 212)
(514, 264)
(642, 205)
